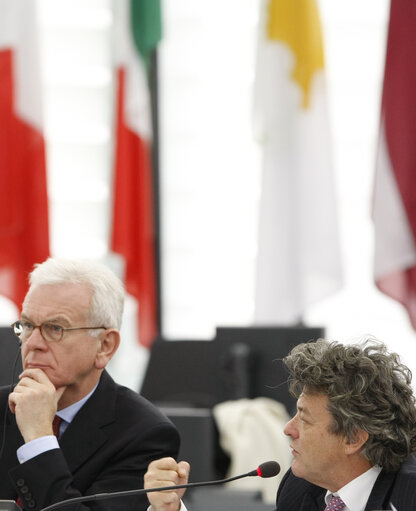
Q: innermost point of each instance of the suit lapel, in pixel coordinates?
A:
(313, 503)
(318, 499)
(380, 494)
(85, 435)
(379, 497)
(296, 494)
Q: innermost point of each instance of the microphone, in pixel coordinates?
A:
(266, 469)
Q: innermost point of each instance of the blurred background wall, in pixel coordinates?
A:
(210, 162)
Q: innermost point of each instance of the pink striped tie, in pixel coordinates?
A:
(335, 504)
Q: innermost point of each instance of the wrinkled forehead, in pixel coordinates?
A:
(47, 301)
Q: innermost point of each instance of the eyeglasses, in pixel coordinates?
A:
(51, 332)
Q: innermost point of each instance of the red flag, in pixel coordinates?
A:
(24, 237)
(394, 209)
(133, 222)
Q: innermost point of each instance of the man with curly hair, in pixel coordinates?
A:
(353, 437)
(354, 433)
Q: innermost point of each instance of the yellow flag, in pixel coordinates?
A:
(296, 23)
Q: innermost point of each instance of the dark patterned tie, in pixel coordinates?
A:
(335, 504)
(55, 425)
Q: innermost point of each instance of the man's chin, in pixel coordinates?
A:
(296, 469)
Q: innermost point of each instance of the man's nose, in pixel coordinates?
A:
(35, 338)
(290, 428)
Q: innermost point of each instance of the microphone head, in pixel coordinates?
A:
(268, 469)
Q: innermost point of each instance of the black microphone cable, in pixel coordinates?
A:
(11, 387)
(267, 469)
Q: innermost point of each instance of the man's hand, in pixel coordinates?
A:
(166, 472)
(34, 401)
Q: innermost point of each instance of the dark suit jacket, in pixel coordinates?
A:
(399, 488)
(106, 448)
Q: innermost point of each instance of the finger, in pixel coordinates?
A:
(28, 382)
(183, 469)
(35, 374)
(170, 497)
(12, 403)
(167, 463)
(161, 478)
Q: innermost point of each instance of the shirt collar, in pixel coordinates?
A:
(67, 414)
(356, 493)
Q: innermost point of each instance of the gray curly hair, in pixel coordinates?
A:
(368, 388)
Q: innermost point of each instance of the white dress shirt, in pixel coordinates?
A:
(182, 508)
(356, 493)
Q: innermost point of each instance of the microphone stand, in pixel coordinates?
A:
(140, 491)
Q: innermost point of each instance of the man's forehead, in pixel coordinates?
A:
(302, 404)
(308, 402)
(60, 290)
(63, 299)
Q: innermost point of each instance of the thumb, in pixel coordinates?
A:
(59, 392)
(12, 406)
(183, 471)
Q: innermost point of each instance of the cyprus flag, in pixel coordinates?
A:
(298, 252)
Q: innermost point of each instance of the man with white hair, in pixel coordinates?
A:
(70, 430)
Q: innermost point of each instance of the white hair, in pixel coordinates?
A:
(108, 292)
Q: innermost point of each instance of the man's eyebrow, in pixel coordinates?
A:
(54, 319)
(58, 319)
(303, 410)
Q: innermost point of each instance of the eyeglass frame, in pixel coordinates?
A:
(63, 329)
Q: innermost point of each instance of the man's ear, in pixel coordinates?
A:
(109, 343)
(353, 445)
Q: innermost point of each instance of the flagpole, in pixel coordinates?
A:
(153, 86)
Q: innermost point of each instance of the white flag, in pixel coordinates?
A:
(299, 256)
